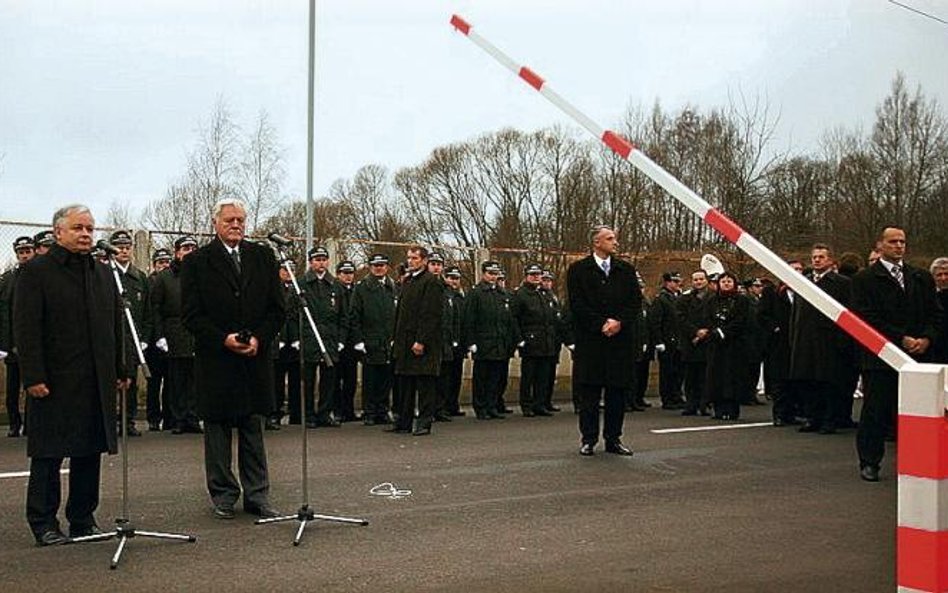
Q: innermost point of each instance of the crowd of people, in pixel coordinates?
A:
(230, 344)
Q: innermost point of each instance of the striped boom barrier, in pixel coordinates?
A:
(923, 485)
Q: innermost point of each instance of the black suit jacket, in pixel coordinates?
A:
(593, 298)
(819, 350)
(881, 302)
(218, 301)
(418, 319)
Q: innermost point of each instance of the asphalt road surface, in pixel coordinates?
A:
(503, 505)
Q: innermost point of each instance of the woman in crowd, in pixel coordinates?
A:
(727, 313)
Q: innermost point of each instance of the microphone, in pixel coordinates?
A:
(106, 247)
(280, 240)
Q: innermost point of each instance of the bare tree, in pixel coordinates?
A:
(260, 173)
(119, 215)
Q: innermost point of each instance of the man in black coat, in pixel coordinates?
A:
(537, 325)
(233, 306)
(348, 366)
(286, 357)
(898, 300)
(157, 410)
(549, 293)
(605, 301)
(67, 323)
(665, 331)
(417, 348)
(23, 248)
(819, 350)
(373, 323)
(452, 349)
(176, 342)
(775, 311)
(694, 344)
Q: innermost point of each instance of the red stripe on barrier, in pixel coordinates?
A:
(723, 225)
(531, 77)
(617, 143)
(460, 24)
(862, 331)
(922, 556)
(923, 445)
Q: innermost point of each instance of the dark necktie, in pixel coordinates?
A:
(897, 273)
(235, 257)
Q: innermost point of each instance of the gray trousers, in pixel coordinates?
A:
(251, 462)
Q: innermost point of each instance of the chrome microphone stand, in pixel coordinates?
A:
(305, 514)
(124, 530)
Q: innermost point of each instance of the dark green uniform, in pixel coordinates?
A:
(537, 325)
(452, 354)
(373, 324)
(138, 296)
(168, 323)
(490, 327)
(325, 300)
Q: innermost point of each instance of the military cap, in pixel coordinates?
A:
(120, 238)
(23, 243)
(532, 269)
(436, 257)
(161, 255)
(185, 240)
(378, 259)
(345, 267)
(490, 266)
(452, 272)
(671, 277)
(317, 252)
(548, 275)
(44, 238)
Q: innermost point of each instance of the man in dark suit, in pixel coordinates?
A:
(417, 348)
(24, 250)
(898, 300)
(67, 322)
(819, 350)
(605, 301)
(233, 306)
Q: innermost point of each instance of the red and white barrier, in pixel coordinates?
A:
(923, 429)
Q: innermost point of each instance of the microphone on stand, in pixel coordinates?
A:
(106, 247)
(280, 240)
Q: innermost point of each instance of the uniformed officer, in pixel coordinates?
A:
(549, 293)
(286, 357)
(505, 378)
(24, 249)
(176, 342)
(136, 291)
(156, 403)
(536, 325)
(452, 349)
(664, 329)
(374, 300)
(42, 241)
(490, 335)
(325, 301)
(347, 369)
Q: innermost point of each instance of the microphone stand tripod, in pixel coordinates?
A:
(305, 514)
(124, 530)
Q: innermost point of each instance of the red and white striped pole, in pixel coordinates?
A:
(924, 567)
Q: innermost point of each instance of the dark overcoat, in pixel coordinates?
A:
(593, 298)
(451, 319)
(896, 313)
(328, 307)
(940, 354)
(692, 314)
(775, 309)
(537, 321)
(219, 301)
(418, 319)
(373, 318)
(138, 296)
(489, 322)
(664, 321)
(819, 350)
(7, 292)
(67, 322)
(727, 348)
(168, 312)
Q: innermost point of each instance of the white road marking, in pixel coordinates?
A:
(713, 427)
(25, 474)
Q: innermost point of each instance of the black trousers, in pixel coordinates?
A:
(696, 390)
(156, 398)
(318, 411)
(14, 389)
(504, 380)
(449, 385)
(880, 389)
(820, 401)
(180, 392)
(377, 382)
(346, 378)
(550, 383)
(488, 380)
(670, 375)
(588, 397)
(417, 399)
(535, 372)
(636, 395)
(44, 492)
(286, 388)
(786, 397)
(251, 462)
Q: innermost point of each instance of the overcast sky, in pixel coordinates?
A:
(101, 101)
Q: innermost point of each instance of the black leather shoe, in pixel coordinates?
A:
(779, 422)
(808, 427)
(618, 448)
(586, 450)
(14, 432)
(869, 473)
(442, 417)
(495, 415)
(553, 409)
(263, 511)
(399, 429)
(458, 413)
(482, 416)
(84, 531)
(271, 424)
(542, 412)
(224, 511)
(177, 430)
(637, 407)
(51, 537)
(528, 413)
(421, 429)
(193, 428)
(368, 421)
(689, 412)
(827, 430)
(154, 427)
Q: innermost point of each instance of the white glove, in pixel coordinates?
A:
(280, 345)
(144, 346)
(295, 345)
(644, 348)
(659, 347)
(454, 344)
(720, 333)
(360, 347)
(522, 344)
(472, 348)
(162, 344)
(571, 347)
(341, 346)
(3, 354)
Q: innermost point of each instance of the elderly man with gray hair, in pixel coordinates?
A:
(939, 270)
